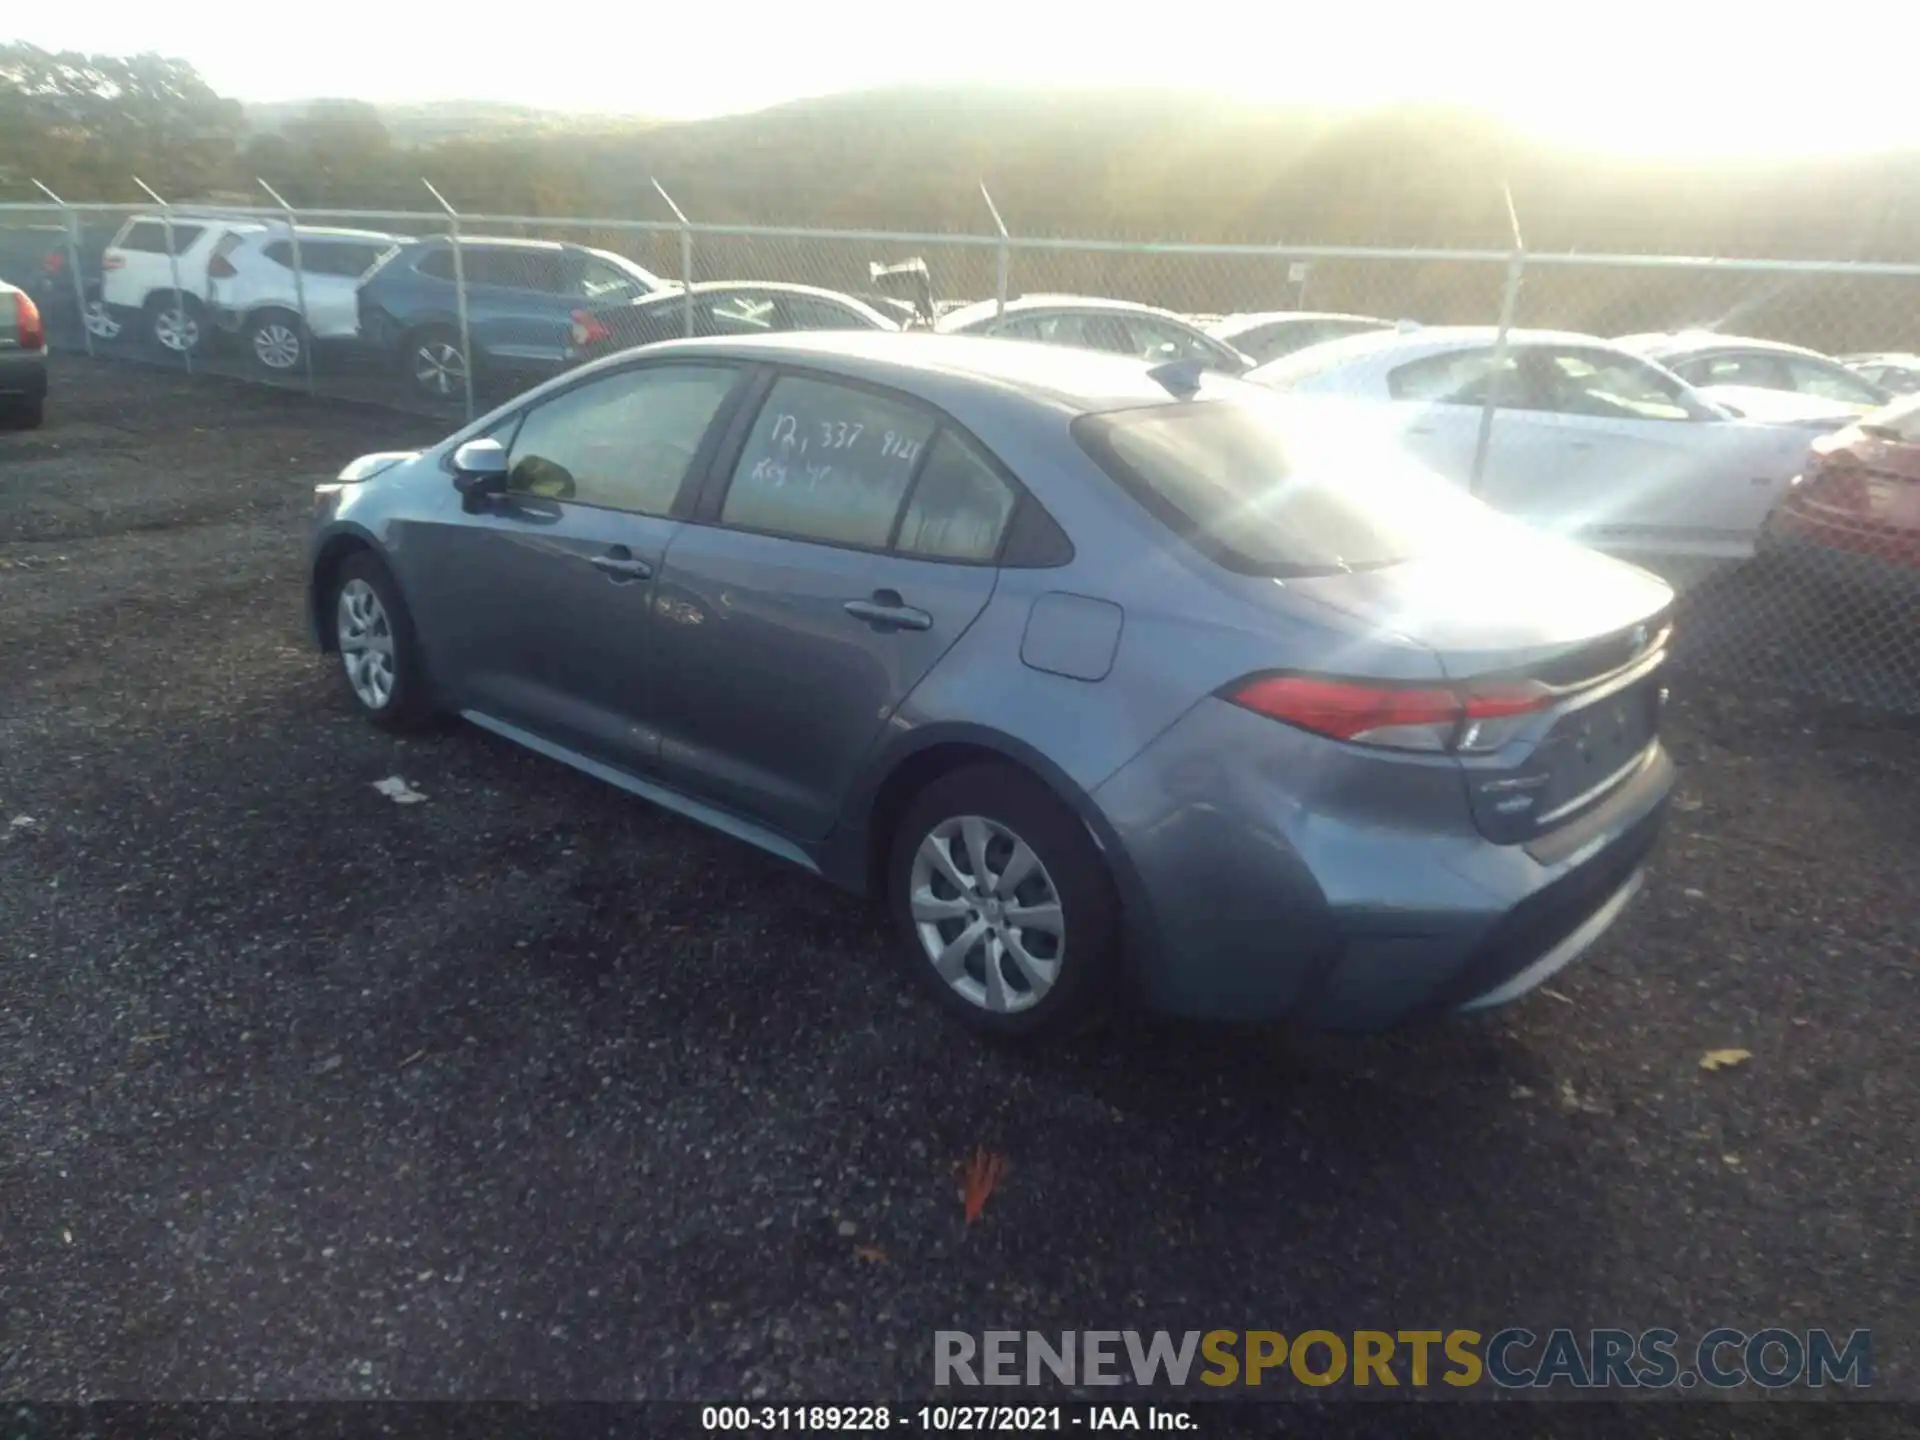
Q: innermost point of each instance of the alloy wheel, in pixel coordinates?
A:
(439, 368)
(987, 914)
(276, 345)
(366, 643)
(176, 330)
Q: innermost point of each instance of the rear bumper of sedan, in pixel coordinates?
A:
(1270, 875)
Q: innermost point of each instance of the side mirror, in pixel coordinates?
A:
(480, 470)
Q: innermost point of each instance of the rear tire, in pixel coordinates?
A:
(24, 414)
(379, 653)
(1030, 960)
(434, 363)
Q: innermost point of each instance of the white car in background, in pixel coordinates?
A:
(254, 292)
(1710, 362)
(1895, 370)
(163, 289)
(1587, 440)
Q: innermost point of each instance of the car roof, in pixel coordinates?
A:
(1025, 304)
(1248, 319)
(1678, 344)
(329, 232)
(778, 287)
(493, 242)
(1072, 381)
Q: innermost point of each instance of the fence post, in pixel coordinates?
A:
(181, 319)
(1003, 255)
(299, 281)
(686, 259)
(459, 295)
(1516, 268)
(73, 263)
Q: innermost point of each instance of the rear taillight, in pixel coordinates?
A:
(26, 319)
(1398, 717)
(588, 329)
(221, 268)
(112, 260)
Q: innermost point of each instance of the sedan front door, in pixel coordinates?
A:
(852, 545)
(536, 605)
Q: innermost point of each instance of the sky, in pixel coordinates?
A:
(1689, 77)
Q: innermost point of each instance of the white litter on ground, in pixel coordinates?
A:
(398, 791)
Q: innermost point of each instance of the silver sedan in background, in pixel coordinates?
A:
(1107, 679)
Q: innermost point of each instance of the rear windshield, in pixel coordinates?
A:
(1265, 492)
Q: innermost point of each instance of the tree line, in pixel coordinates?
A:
(1117, 164)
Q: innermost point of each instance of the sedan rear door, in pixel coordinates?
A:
(837, 556)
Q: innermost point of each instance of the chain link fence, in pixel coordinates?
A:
(387, 308)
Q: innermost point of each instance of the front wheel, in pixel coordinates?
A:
(1002, 905)
(379, 652)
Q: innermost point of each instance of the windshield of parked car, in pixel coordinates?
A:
(1268, 492)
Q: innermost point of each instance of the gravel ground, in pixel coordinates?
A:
(533, 1091)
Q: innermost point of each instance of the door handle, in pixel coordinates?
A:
(887, 610)
(1580, 445)
(619, 564)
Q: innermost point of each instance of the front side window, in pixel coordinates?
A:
(826, 462)
(535, 270)
(1268, 494)
(348, 259)
(1606, 386)
(625, 441)
(1158, 341)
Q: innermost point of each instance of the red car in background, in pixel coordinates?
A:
(1854, 514)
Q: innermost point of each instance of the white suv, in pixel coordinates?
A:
(138, 279)
(254, 292)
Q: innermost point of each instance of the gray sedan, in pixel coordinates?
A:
(23, 360)
(1107, 679)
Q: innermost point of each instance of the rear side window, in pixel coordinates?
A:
(960, 505)
(1454, 377)
(436, 263)
(826, 462)
(1831, 382)
(1264, 495)
(280, 252)
(150, 237)
(804, 312)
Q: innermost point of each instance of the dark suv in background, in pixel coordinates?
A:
(521, 295)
